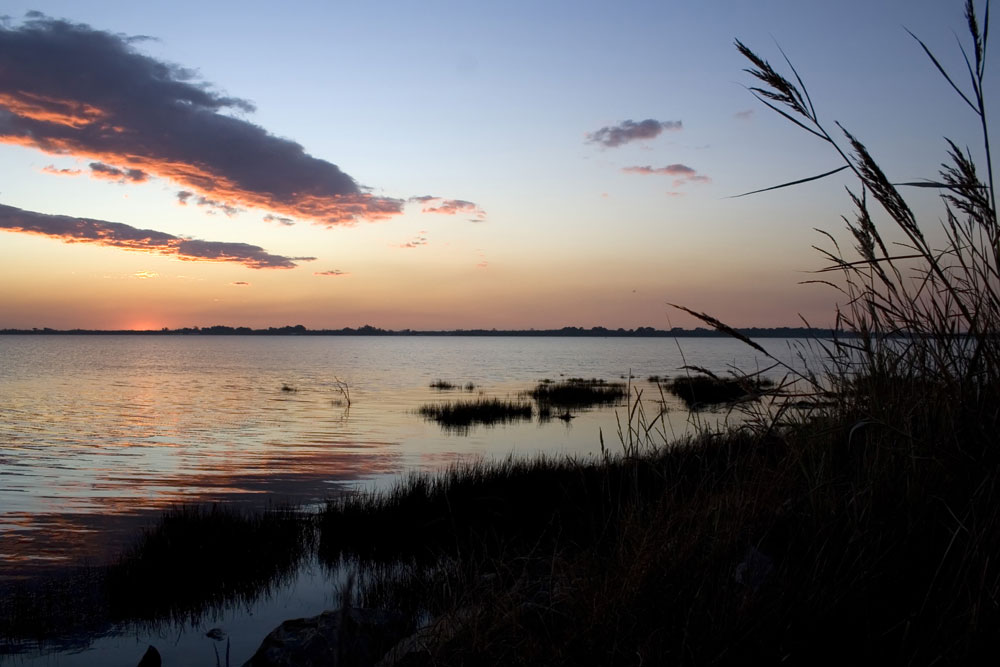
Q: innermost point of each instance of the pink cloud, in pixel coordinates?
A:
(432, 204)
(51, 169)
(684, 173)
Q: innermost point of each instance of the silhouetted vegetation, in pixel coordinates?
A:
(461, 415)
(193, 561)
(442, 385)
(706, 390)
(859, 527)
(577, 393)
(368, 330)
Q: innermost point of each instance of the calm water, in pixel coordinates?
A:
(98, 432)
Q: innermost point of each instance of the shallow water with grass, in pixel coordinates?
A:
(100, 434)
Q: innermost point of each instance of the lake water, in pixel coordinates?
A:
(100, 433)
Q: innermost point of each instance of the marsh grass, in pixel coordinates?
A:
(577, 393)
(863, 528)
(197, 558)
(193, 561)
(706, 389)
(854, 520)
(460, 416)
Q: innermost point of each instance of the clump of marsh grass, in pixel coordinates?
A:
(706, 389)
(199, 557)
(460, 416)
(194, 561)
(577, 393)
(443, 385)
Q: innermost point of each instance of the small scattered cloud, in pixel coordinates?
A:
(70, 229)
(287, 222)
(683, 174)
(186, 196)
(240, 283)
(416, 242)
(746, 114)
(106, 171)
(432, 204)
(672, 169)
(145, 275)
(51, 169)
(67, 88)
(629, 130)
(332, 273)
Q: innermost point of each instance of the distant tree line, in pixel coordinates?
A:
(368, 330)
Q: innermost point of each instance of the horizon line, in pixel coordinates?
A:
(369, 330)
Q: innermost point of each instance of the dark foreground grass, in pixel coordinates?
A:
(819, 545)
(192, 561)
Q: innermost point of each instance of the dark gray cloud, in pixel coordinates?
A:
(184, 197)
(287, 222)
(333, 272)
(70, 89)
(629, 130)
(746, 114)
(101, 170)
(119, 235)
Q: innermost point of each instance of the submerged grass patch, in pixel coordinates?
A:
(577, 393)
(699, 391)
(462, 415)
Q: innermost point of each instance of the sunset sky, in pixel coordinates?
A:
(436, 165)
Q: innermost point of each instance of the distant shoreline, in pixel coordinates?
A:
(565, 332)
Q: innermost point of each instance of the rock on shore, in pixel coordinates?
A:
(332, 639)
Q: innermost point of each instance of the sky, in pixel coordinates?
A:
(441, 165)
